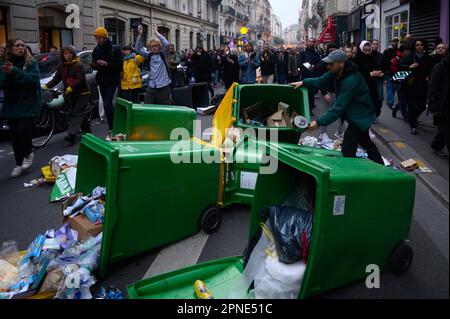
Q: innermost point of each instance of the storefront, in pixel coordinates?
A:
(425, 20)
(395, 20)
(3, 26)
(52, 28)
(354, 27)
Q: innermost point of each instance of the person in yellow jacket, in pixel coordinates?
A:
(131, 82)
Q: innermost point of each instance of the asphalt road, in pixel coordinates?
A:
(24, 213)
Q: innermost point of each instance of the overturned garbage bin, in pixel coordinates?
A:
(194, 95)
(358, 219)
(156, 192)
(143, 122)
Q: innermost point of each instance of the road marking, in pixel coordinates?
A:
(1, 151)
(179, 255)
(11, 153)
(383, 130)
(400, 145)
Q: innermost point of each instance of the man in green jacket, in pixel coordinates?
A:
(353, 104)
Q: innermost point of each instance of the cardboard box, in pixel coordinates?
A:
(84, 227)
(283, 106)
(279, 119)
(410, 165)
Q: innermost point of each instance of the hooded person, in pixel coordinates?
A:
(353, 104)
(76, 91)
(370, 70)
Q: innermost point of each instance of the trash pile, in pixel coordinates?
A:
(260, 115)
(59, 263)
(117, 138)
(336, 145)
(277, 263)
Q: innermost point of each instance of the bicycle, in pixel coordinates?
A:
(54, 118)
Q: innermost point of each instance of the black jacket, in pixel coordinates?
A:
(282, 65)
(267, 63)
(388, 55)
(438, 88)
(312, 57)
(108, 75)
(203, 67)
(419, 84)
(367, 64)
(230, 70)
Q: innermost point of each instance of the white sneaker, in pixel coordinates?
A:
(16, 172)
(28, 161)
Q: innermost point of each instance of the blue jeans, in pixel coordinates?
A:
(108, 93)
(391, 88)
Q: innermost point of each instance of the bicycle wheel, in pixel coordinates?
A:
(43, 129)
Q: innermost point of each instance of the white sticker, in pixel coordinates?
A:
(248, 180)
(339, 205)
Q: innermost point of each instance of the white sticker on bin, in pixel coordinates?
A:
(339, 205)
(248, 180)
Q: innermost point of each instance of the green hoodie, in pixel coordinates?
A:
(353, 100)
(22, 91)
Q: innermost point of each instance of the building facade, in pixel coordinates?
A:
(290, 35)
(232, 17)
(260, 25)
(43, 23)
(312, 19)
(338, 11)
(277, 27)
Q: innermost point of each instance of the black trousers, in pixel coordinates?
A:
(108, 93)
(441, 139)
(353, 137)
(130, 95)
(77, 115)
(416, 106)
(159, 96)
(21, 136)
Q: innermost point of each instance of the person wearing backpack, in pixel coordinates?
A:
(107, 59)
(159, 86)
(71, 73)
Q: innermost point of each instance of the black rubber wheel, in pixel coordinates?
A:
(211, 220)
(43, 129)
(401, 259)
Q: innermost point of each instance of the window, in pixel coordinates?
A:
(3, 32)
(116, 30)
(397, 26)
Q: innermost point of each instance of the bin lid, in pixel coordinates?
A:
(223, 119)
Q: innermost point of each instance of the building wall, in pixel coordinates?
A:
(197, 16)
(183, 15)
(23, 21)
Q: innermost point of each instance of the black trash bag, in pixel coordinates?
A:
(292, 232)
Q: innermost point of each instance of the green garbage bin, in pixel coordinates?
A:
(270, 96)
(368, 227)
(151, 199)
(143, 122)
(247, 161)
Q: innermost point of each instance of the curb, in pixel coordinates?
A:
(433, 181)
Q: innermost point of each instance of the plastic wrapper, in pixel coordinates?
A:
(95, 212)
(292, 231)
(52, 281)
(10, 253)
(61, 239)
(34, 250)
(9, 275)
(109, 293)
(85, 255)
(76, 283)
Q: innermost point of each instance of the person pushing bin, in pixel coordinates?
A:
(353, 104)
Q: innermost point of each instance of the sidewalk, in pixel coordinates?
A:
(393, 133)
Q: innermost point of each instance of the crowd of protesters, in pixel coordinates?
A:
(413, 78)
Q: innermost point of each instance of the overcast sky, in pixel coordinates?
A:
(286, 10)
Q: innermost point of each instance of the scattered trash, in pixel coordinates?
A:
(310, 141)
(109, 293)
(202, 291)
(207, 110)
(260, 115)
(27, 185)
(48, 174)
(409, 165)
(64, 186)
(59, 164)
(117, 138)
